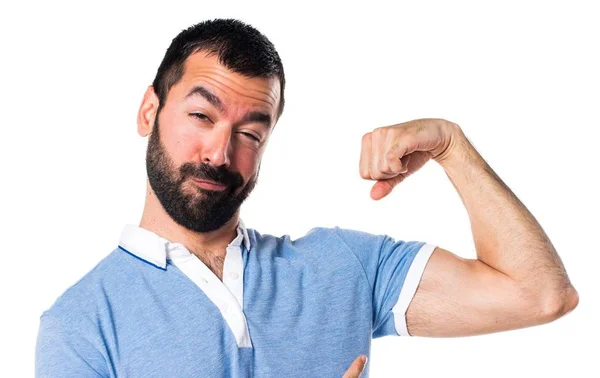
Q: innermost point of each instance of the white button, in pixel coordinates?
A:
(233, 275)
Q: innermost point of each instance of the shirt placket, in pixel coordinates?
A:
(227, 296)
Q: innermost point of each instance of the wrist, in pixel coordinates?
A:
(459, 150)
(460, 153)
(450, 150)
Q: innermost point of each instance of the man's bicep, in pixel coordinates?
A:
(464, 297)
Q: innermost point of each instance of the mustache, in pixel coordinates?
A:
(220, 175)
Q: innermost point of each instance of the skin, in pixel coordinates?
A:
(517, 279)
(356, 368)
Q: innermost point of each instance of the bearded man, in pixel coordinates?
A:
(192, 292)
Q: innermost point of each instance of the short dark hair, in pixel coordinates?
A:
(238, 46)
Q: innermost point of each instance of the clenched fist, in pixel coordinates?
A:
(390, 154)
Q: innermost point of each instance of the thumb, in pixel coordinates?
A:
(383, 187)
(356, 367)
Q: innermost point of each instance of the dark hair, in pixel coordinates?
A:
(238, 46)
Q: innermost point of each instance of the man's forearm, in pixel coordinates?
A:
(507, 237)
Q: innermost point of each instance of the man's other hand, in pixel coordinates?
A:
(356, 367)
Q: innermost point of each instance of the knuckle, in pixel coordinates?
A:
(394, 148)
(401, 130)
(379, 130)
(379, 173)
(374, 174)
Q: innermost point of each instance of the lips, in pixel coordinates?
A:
(209, 185)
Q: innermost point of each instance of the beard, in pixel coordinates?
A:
(197, 209)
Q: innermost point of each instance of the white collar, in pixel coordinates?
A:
(154, 249)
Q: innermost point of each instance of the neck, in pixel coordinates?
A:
(156, 219)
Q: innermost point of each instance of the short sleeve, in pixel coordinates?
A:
(393, 269)
(63, 352)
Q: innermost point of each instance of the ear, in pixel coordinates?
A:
(147, 112)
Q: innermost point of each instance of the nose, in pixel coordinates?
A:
(217, 147)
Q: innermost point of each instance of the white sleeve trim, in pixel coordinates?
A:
(413, 277)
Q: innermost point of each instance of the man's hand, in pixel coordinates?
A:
(356, 367)
(390, 154)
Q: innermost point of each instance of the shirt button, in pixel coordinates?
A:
(233, 275)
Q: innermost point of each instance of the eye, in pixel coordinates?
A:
(201, 116)
(251, 136)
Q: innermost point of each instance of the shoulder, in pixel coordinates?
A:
(314, 235)
(82, 297)
(319, 238)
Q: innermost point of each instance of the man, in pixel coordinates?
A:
(192, 292)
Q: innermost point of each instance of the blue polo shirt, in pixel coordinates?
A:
(285, 308)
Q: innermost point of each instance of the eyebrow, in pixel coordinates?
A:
(253, 116)
(205, 93)
(259, 117)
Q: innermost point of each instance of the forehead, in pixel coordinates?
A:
(203, 69)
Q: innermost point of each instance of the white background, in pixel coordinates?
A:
(520, 78)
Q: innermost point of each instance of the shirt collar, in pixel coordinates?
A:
(155, 249)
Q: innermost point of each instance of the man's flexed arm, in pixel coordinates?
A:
(517, 280)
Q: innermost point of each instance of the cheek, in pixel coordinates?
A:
(247, 162)
(178, 140)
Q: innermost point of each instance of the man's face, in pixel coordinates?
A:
(207, 142)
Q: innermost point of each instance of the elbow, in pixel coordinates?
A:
(559, 304)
